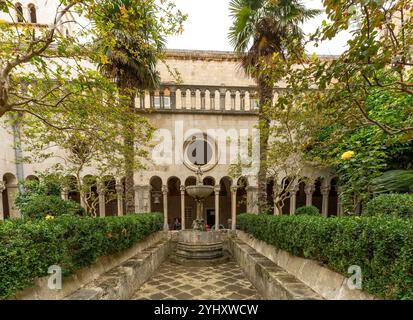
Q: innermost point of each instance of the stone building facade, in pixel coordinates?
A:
(198, 119)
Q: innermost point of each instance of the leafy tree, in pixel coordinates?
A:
(48, 77)
(96, 145)
(260, 30)
(32, 55)
(378, 59)
(132, 62)
(41, 198)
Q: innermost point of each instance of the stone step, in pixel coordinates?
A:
(122, 281)
(272, 281)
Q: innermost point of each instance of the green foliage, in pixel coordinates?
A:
(28, 249)
(382, 247)
(400, 181)
(308, 210)
(42, 197)
(40, 206)
(397, 205)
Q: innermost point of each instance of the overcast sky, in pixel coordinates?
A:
(208, 23)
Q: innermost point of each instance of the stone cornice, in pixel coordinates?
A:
(208, 55)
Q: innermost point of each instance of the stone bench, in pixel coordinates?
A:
(272, 281)
(122, 281)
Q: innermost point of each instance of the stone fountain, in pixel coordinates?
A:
(198, 246)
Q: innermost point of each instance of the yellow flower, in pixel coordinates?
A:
(2, 22)
(49, 217)
(103, 59)
(347, 155)
(124, 12)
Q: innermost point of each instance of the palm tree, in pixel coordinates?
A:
(131, 62)
(261, 28)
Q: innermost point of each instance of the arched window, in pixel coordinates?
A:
(19, 12)
(32, 12)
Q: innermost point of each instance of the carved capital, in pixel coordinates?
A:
(217, 189)
(119, 189)
(183, 189)
(165, 189)
(234, 189)
(325, 190)
(309, 189)
(2, 186)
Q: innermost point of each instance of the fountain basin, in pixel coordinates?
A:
(199, 191)
(200, 248)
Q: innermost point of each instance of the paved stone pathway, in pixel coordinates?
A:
(176, 282)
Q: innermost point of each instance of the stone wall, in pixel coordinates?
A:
(327, 283)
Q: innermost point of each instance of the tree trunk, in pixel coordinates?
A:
(265, 102)
(129, 161)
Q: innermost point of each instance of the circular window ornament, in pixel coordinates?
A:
(200, 150)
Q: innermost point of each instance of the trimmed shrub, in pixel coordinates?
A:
(308, 210)
(382, 247)
(397, 205)
(39, 206)
(28, 249)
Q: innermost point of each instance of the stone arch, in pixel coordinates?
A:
(209, 181)
(241, 201)
(32, 178)
(90, 184)
(18, 7)
(225, 201)
(9, 195)
(333, 197)
(32, 13)
(174, 201)
(111, 203)
(190, 204)
(301, 196)
(190, 181)
(270, 195)
(156, 194)
(72, 189)
(286, 208)
(317, 195)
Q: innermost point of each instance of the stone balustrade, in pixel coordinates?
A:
(172, 97)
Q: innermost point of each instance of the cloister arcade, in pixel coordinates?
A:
(169, 196)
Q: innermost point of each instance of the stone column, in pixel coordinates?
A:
(309, 190)
(165, 207)
(65, 194)
(183, 207)
(11, 195)
(325, 191)
(252, 201)
(172, 91)
(119, 198)
(340, 211)
(2, 188)
(216, 191)
(293, 199)
(102, 200)
(233, 207)
(142, 198)
(82, 200)
(275, 197)
(222, 96)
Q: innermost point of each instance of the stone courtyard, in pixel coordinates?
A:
(177, 282)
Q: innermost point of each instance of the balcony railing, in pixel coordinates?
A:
(199, 98)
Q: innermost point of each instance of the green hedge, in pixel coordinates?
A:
(308, 210)
(393, 204)
(27, 249)
(382, 247)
